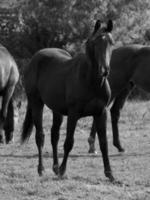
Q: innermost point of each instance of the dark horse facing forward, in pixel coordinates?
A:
(9, 76)
(76, 87)
(129, 66)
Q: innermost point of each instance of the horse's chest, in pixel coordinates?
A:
(89, 102)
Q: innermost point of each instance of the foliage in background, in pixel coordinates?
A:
(61, 23)
(67, 23)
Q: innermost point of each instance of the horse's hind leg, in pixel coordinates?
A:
(7, 95)
(57, 120)
(37, 114)
(9, 123)
(115, 114)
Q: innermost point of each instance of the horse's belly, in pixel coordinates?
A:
(94, 107)
(52, 92)
(58, 107)
(142, 81)
(55, 101)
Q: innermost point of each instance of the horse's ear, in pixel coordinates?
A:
(109, 26)
(97, 26)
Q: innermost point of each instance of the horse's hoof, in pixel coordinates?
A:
(109, 175)
(118, 183)
(56, 169)
(10, 141)
(9, 137)
(40, 170)
(92, 151)
(121, 150)
(1, 141)
(119, 147)
(62, 171)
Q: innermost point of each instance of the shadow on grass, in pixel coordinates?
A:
(80, 155)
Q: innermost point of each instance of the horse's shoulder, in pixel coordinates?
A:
(79, 64)
(81, 58)
(80, 61)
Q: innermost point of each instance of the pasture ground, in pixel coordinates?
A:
(84, 178)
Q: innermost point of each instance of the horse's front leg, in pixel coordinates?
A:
(5, 102)
(57, 120)
(101, 125)
(68, 145)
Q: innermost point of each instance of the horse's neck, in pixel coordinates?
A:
(88, 72)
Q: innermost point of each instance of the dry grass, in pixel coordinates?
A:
(85, 178)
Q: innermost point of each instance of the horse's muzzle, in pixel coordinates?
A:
(105, 73)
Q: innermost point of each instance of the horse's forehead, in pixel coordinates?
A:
(103, 35)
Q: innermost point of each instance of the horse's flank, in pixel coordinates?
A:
(9, 74)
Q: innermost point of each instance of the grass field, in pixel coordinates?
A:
(84, 178)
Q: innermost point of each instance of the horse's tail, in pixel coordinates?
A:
(27, 125)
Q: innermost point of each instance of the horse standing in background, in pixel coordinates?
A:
(76, 87)
(129, 67)
(9, 77)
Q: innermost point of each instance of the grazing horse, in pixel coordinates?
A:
(76, 87)
(9, 77)
(129, 67)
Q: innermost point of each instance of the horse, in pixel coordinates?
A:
(72, 86)
(129, 67)
(9, 76)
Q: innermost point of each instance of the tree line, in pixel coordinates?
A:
(67, 23)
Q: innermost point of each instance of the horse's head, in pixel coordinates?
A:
(99, 48)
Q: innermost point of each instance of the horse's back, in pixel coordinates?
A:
(50, 54)
(124, 53)
(54, 53)
(45, 59)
